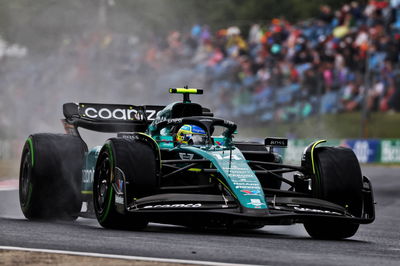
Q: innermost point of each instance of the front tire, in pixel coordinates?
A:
(338, 180)
(136, 161)
(330, 230)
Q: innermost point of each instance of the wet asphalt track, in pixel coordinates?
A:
(374, 244)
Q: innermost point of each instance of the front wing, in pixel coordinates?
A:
(216, 210)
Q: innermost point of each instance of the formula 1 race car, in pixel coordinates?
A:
(178, 164)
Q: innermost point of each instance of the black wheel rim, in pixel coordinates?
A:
(25, 181)
(102, 185)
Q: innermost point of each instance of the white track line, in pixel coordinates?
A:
(8, 188)
(125, 257)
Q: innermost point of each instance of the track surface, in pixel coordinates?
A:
(374, 244)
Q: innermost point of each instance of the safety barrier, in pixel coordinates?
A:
(366, 150)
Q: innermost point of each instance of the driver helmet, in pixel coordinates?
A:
(192, 135)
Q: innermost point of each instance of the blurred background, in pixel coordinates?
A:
(297, 69)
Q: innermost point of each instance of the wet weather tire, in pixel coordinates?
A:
(136, 161)
(50, 176)
(338, 180)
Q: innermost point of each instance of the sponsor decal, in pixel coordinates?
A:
(362, 150)
(247, 183)
(301, 209)
(114, 112)
(87, 176)
(172, 121)
(151, 114)
(159, 120)
(198, 130)
(127, 135)
(175, 121)
(247, 187)
(119, 179)
(256, 202)
(120, 184)
(365, 150)
(186, 156)
(251, 192)
(119, 199)
(390, 151)
(276, 142)
(117, 114)
(182, 205)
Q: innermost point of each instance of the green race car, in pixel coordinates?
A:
(178, 164)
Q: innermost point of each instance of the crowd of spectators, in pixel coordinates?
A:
(339, 61)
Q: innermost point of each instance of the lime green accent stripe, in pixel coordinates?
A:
(182, 90)
(312, 154)
(86, 192)
(230, 191)
(108, 207)
(194, 170)
(29, 140)
(315, 170)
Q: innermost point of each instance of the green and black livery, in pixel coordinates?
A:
(144, 175)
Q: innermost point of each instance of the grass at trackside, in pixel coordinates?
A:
(13, 257)
(379, 125)
(387, 165)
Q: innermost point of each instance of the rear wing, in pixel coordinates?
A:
(109, 117)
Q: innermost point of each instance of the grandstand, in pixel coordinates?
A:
(340, 61)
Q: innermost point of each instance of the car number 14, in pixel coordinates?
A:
(227, 157)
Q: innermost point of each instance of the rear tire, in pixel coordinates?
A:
(50, 176)
(338, 180)
(137, 161)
